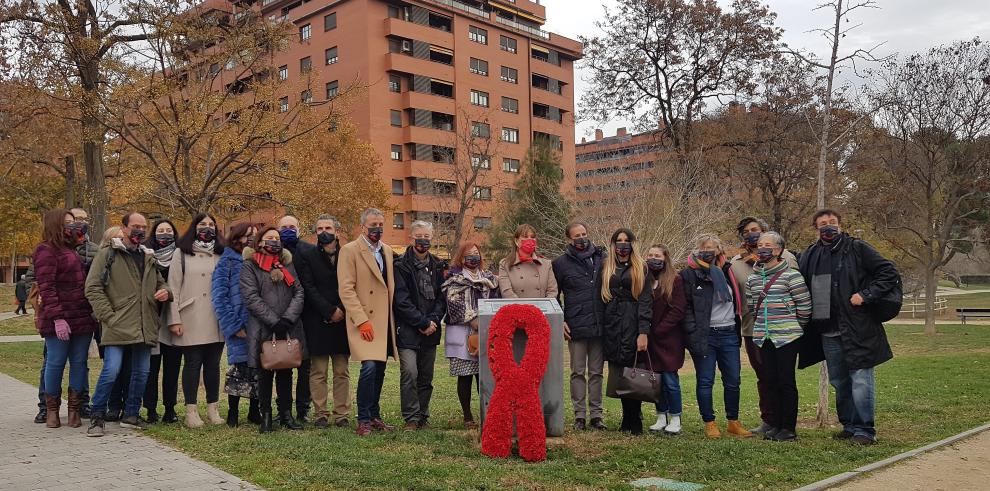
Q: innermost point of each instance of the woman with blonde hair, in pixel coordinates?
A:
(624, 311)
(110, 234)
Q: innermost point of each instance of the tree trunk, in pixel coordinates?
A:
(96, 185)
(70, 182)
(931, 287)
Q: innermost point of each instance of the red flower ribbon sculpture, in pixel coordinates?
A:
(517, 386)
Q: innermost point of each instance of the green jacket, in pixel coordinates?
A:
(126, 306)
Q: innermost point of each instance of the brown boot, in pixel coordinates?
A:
(53, 403)
(736, 429)
(75, 403)
(711, 430)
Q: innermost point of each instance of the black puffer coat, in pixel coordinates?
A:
(409, 317)
(268, 301)
(576, 285)
(624, 317)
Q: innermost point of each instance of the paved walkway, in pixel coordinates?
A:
(961, 465)
(21, 339)
(33, 457)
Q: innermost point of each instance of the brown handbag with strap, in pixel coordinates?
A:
(280, 354)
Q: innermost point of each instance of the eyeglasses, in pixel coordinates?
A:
(82, 220)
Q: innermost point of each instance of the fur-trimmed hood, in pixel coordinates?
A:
(118, 243)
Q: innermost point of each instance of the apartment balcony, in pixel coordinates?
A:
(429, 136)
(431, 102)
(407, 64)
(550, 126)
(411, 30)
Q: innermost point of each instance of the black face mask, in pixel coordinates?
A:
(164, 240)
(83, 228)
(764, 254)
(752, 238)
(375, 234)
(273, 247)
(206, 234)
(828, 233)
(582, 244)
(325, 238)
(472, 261)
(706, 256)
(656, 265)
(623, 249)
(422, 246)
(137, 236)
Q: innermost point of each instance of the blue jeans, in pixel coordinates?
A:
(369, 390)
(76, 352)
(855, 390)
(670, 394)
(723, 351)
(112, 359)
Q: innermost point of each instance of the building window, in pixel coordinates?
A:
(507, 44)
(283, 72)
(481, 130)
(481, 223)
(397, 187)
(331, 55)
(479, 98)
(510, 135)
(394, 83)
(446, 188)
(399, 221)
(445, 57)
(510, 194)
(478, 35)
(215, 69)
(305, 64)
(483, 193)
(230, 64)
(332, 89)
(510, 75)
(305, 32)
(399, 12)
(396, 152)
(510, 105)
(481, 162)
(306, 96)
(510, 165)
(330, 22)
(283, 105)
(395, 117)
(479, 66)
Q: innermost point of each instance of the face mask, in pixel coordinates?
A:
(752, 238)
(706, 256)
(375, 234)
(69, 229)
(527, 246)
(289, 237)
(472, 261)
(164, 240)
(764, 254)
(137, 236)
(325, 238)
(82, 228)
(422, 245)
(206, 234)
(623, 249)
(582, 244)
(656, 265)
(828, 233)
(273, 247)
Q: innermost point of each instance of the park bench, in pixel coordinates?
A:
(973, 313)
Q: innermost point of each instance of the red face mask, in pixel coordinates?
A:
(527, 246)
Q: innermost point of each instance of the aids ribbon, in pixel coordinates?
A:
(516, 393)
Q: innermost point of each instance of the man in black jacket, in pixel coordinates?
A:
(323, 320)
(419, 306)
(575, 271)
(846, 276)
(288, 231)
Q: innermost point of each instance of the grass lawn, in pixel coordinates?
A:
(7, 301)
(19, 326)
(935, 387)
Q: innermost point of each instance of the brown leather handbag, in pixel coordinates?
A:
(279, 354)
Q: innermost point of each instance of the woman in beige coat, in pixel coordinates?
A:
(192, 322)
(526, 274)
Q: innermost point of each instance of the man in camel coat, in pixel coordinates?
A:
(366, 281)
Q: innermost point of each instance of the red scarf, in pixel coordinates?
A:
(525, 258)
(267, 261)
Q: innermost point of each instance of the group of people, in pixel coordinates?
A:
(163, 304)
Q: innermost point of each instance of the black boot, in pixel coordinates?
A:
(302, 414)
(232, 416)
(266, 422)
(254, 415)
(42, 415)
(152, 415)
(169, 415)
(285, 419)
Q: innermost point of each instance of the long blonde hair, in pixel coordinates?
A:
(636, 263)
(110, 234)
(666, 279)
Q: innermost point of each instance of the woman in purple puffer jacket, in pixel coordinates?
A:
(65, 318)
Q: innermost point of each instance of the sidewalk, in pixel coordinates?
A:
(961, 465)
(35, 457)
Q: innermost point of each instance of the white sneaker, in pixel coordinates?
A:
(661, 422)
(674, 427)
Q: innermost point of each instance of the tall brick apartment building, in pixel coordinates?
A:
(609, 169)
(430, 67)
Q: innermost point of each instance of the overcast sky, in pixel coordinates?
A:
(906, 26)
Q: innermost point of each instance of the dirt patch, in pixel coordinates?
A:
(962, 465)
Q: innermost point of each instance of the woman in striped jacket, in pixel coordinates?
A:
(781, 303)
